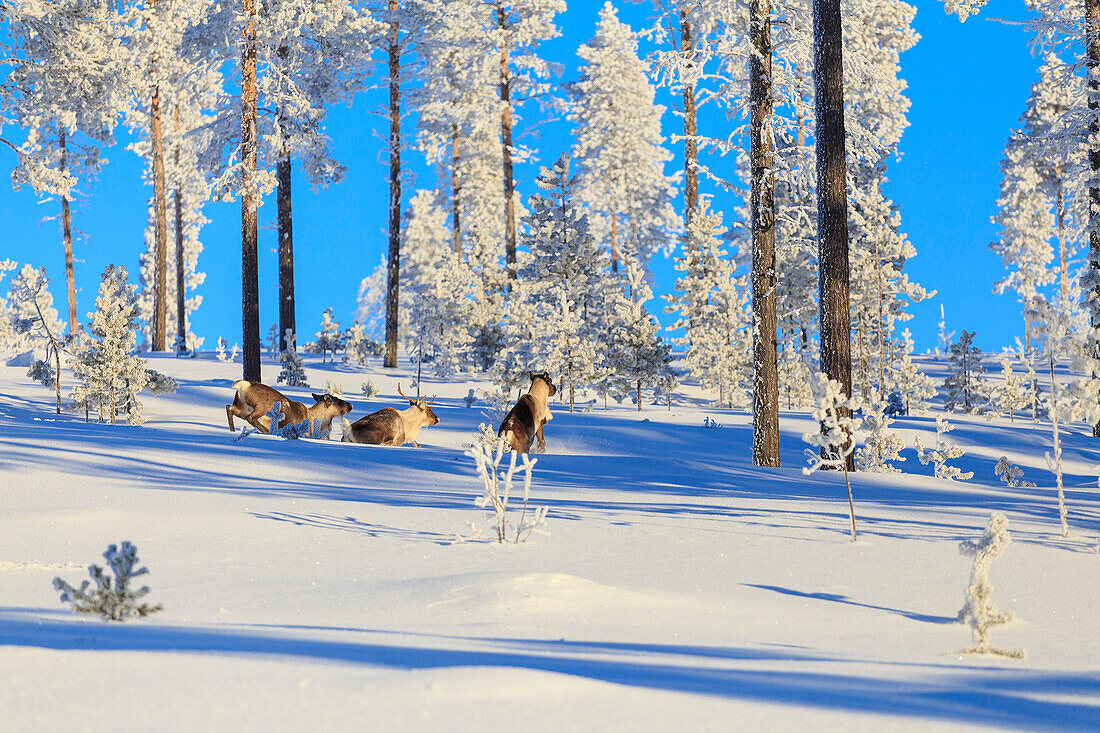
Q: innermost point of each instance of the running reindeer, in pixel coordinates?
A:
(524, 422)
(254, 400)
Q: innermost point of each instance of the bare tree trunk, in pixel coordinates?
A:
(832, 198)
(394, 256)
(506, 149)
(284, 170)
(691, 149)
(160, 227)
(765, 408)
(1092, 30)
(250, 291)
(456, 190)
(181, 305)
(67, 241)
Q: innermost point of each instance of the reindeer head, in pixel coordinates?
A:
(421, 404)
(544, 376)
(335, 405)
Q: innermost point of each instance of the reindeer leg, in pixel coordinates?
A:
(230, 411)
(542, 440)
(415, 444)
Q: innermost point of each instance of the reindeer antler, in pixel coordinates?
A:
(402, 393)
(428, 402)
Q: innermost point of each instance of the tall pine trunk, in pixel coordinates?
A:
(250, 291)
(832, 200)
(160, 226)
(181, 305)
(393, 267)
(1092, 30)
(765, 408)
(456, 191)
(285, 215)
(691, 149)
(506, 150)
(67, 241)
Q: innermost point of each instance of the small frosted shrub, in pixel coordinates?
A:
(111, 601)
(1011, 474)
(978, 609)
(498, 483)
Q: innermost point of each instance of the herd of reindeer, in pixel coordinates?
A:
(521, 427)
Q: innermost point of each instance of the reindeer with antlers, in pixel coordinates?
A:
(392, 427)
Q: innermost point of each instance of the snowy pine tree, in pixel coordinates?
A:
(944, 452)
(882, 445)
(978, 610)
(835, 441)
(638, 355)
(966, 386)
(110, 375)
(329, 339)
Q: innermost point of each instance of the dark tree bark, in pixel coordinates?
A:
(691, 150)
(394, 258)
(283, 171)
(506, 149)
(250, 291)
(765, 412)
(160, 227)
(67, 241)
(181, 309)
(832, 198)
(1092, 29)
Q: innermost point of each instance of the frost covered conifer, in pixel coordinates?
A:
(835, 441)
(329, 339)
(1010, 395)
(966, 387)
(563, 287)
(34, 322)
(978, 610)
(637, 355)
(111, 601)
(712, 307)
(882, 445)
(944, 452)
(357, 347)
(219, 351)
(110, 375)
(293, 373)
(1011, 474)
(619, 147)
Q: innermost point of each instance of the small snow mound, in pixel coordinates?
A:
(558, 593)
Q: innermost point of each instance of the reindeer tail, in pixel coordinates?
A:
(345, 426)
(241, 384)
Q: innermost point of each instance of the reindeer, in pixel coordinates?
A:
(392, 427)
(254, 400)
(524, 422)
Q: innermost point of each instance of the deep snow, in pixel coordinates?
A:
(320, 585)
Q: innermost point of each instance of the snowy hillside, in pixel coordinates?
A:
(325, 586)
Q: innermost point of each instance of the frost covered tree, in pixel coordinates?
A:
(357, 347)
(32, 316)
(329, 339)
(711, 303)
(1010, 395)
(916, 387)
(944, 452)
(293, 373)
(619, 149)
(564, 287)
(966, 386)
(978, 610)
(68, 80)
(1011, 474)
(637, 354)
(110, 374)
(835, 441)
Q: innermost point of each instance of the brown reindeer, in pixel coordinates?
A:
(524, 422)
(254, 400)
(392, 427)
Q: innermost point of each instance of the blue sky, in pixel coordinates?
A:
(967, 82)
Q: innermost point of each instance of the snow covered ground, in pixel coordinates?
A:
(324, 586)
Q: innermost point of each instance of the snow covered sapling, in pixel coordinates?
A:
(710, 423)
(944, 452)
(357, 347)
(273, 341)
(1010, 394)
(834, 441)
(116, 603)
(965, 386)
(234, 351)
(220, 351)
(498, 483)
(293, 373)
(329, 339)
(882, 444)
(332, 388)
(470, 399)
(368, 388)
(978, 609)
(34, 317)
(1011, 474)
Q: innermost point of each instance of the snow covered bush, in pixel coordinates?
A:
(834, 441)
(882, 444)
(1010, 395)
(34, 321)
(159, 384)
(332, 388)
(219, 351)
(944, 452)
(110, 375)
(978, 610)
(498, 483)
(1011, 474)
(470, 399)
(710, 423)
(357, 347)
(368, 388)
(110, 601)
